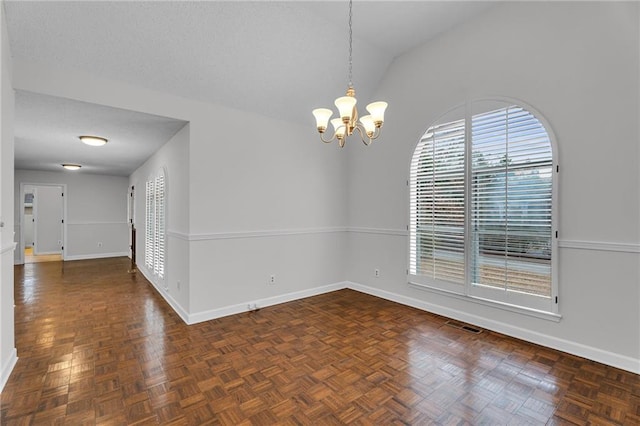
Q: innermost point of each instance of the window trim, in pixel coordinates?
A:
(550, 316)
(462, 291)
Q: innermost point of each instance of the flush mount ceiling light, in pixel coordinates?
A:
(71, 166)
(368, 126)
(93, 140)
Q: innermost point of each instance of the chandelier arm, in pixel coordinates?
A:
(363, 136)
(376, 133)
(328, 141)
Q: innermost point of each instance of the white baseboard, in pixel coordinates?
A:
(595, 354)
(177, 307)
(7, 368)
(263, 303)
(96, 256)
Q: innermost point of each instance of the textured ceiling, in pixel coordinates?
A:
(47, 130)
(278, 59)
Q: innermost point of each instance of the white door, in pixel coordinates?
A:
(47, 219)
(28, 216)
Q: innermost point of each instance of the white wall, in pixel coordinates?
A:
(577, 63)
(96, 212)
(266, 199)
(173, 158)
(8, 356)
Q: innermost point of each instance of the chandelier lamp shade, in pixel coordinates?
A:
(368, 126)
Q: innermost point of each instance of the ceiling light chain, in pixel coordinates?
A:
(368, 127)
(350, 43)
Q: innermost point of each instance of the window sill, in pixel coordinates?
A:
(549, 316)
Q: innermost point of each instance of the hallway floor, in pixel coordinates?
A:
(29, 257)
(98, 345)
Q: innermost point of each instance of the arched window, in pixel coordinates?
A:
(155, 208)
(482, 215)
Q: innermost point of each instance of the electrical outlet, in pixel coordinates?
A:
(100, 244)
(272, 279)
(376, 273)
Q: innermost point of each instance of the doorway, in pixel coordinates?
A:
(42, 219)
(131, 211)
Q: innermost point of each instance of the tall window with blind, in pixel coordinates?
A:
(438, 205)
(155, 209)
(481, 207)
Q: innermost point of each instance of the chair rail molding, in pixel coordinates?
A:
(253, 234)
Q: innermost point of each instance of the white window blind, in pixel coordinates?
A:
(437, 204)
(482, 225)
(511, 202)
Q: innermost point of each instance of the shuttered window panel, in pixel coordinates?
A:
(437, 234)
(511, 193)
(155, 227)
(159, 245)
(149, 224)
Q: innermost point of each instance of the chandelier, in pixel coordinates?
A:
(368, 127)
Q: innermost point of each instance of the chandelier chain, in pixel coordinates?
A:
(350, 45)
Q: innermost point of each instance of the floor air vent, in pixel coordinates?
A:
(463, 326)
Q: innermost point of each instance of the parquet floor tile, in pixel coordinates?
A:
(98, 346)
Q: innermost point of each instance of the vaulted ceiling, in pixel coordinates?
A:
(279, 59)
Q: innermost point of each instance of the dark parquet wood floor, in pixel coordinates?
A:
(97, 345)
